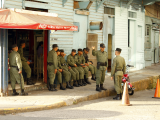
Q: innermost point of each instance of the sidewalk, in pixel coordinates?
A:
(44, 99)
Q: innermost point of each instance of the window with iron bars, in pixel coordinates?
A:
(108, 10)
(36, 9)
(132, 14)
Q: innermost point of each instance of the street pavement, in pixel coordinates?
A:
(144, 107)
(45, 97)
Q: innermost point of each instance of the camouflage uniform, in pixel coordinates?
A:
(25, 65)
(52, 58)
(15, 61)
(118, 69)
(102, 57)
(71, 60)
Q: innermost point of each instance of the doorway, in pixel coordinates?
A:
(109, 52)
(33, 39)
(131, 42)
(156, 47)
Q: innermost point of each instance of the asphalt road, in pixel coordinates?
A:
(144, 107)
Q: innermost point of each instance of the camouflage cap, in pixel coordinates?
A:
(61, 50)
(87, 49)
(102, 45)
(54, 45)
(80, 49)
(118, 49)
(73, 50)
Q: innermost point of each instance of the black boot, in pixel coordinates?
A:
(53, 88)
(98, 88)
(80, 82)
(23, 93)
(75, 83)
(61, 87)
(15, 93)
(117, 97)
(30, 81)
(93, 77)
(87, 81)
(48, 86)
(84, 83)
(102, 88)
(121, 96)
(69, 86)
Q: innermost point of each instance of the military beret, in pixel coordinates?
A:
(84, 49)
(61, 50)
(87, 49)
(80, 50)
(54, 45)
(73, 50)
(22, 41)
(118, 49)
(102, 45)
(14, 45)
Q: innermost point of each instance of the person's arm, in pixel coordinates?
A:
(94, 52)
(20, 51)
(55, 60)
(59, 64)
(69, 61)
(83, 60)
(77, 60)
(106, 60)
(113, 68)
(19, 62)
(124, 67)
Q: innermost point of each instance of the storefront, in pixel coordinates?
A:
(31, 26)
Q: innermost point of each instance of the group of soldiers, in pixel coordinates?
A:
(76, 68)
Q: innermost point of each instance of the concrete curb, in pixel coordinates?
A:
(147, 83)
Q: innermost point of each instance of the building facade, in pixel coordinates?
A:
(115, 23)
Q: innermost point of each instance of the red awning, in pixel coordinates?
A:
(13, 20)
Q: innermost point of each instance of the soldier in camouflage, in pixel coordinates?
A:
(82, 67)
(16, 70)
(67, 73)
(52, 66)
(72, 60)
(25, 64)
(59, 70)
(89, 64)
(102, 64)
(118, 69)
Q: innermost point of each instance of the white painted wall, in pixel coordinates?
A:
(121, 31)
(64, 39)
(140, 37)
(79, 38)
(96, 17)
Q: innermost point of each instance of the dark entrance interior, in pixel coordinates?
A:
(109, 52)
(32, 39)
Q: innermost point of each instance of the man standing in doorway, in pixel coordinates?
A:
(16, 70)
(102, 64)
(118, 69)
(52, 66)
(25, 63)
